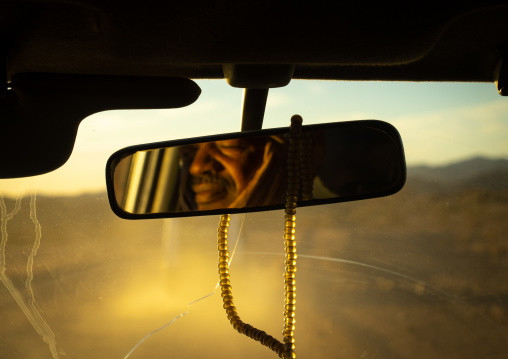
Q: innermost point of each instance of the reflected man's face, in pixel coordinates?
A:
(221, 170)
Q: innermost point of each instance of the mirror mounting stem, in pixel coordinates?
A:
(253, 111)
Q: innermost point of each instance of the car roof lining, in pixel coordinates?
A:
(409, 42)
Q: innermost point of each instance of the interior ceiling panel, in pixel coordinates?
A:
(460, 42)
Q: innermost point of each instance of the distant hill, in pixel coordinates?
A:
(476, 173)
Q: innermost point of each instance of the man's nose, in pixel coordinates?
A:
(203, 161)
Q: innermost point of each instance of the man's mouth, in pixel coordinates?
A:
(209, 189)
(208, 179)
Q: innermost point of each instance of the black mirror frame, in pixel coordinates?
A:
(119, 155)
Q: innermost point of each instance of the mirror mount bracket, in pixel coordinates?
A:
(258, 76)
(256, 79)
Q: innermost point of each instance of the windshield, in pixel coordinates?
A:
(419, 274)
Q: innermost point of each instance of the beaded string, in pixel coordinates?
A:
(298, 156)
(292, 194)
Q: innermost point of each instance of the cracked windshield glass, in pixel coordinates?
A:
(420, 274)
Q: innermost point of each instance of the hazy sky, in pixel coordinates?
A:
(439, 123)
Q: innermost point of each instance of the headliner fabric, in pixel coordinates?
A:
(413, 41)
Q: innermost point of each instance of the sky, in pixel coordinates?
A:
(440, 123)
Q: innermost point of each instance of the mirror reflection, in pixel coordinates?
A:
(347, 161)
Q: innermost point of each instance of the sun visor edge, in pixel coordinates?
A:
(40, 113)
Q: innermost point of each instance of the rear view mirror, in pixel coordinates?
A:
(246, 171)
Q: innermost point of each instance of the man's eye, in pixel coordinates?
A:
(231, 151)
(234, 152)
(232, 146)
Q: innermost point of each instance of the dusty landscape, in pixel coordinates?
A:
(421, 274)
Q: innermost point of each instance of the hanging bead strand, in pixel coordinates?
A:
(292, 194)
(298, 186)
(227, 295)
